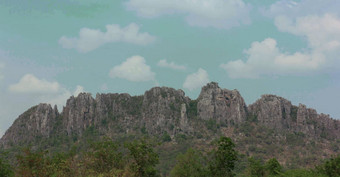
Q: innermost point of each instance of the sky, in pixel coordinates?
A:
(50, 50)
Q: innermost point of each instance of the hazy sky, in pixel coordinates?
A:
(50, 50)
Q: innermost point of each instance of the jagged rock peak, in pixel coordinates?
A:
(213, 87)
(223, 105)
(271, 97)
(36, 121)
(164, 91)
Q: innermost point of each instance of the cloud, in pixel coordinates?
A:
(319, 26)
(265, 58)
(30, 84)
(196, 80)
(172, 65)
(322, 32)
(133, 69)
(294, 8)
(41, 91)
(219, 14)
(90, 39)
(79, 89)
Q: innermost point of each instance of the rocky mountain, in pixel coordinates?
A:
(271, 126)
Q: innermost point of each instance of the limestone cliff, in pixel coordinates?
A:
(163, 110)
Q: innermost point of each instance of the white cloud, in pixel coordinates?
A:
(307, 19)
(196, 80)
(322, 32)
(220, 14)
(30, 84)
(41, 91)
(79, 89)
(294, 8)
(265, 58)
(133, 69)
(90, 39)
(172, 65)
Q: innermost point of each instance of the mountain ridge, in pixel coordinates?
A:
(164, 111)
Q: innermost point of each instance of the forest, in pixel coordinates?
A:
(138, 158)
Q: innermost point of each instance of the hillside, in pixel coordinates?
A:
(271, 127)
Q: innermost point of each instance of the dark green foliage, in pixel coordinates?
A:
(223, 158)
(166, 137)
(211, 125)
(180, 137)
(252, 117)
(293, 113)
(5, 168)
(331, 167)
(273, 167)
(33, 164)
(143, 130)
(189, 164)
(301, 173)
(255, 168)
(143, 158)
(295, 139)
(192, 109)
(104, 156)
(246, 128)
(163, 94)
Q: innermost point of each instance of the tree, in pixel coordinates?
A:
(331, 167)
(273, 167)
(5, 169)
(33, 164)
(190, 164)
(255, 168)
(224, 158)
(104, 156)
(143, 159)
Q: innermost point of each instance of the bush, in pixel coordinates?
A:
(189, 164)
(166, 137)
(143, 159)
(5, 169)
(223, 158)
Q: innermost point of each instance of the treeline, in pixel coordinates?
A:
(138, 159)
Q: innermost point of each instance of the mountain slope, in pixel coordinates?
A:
(270, 127)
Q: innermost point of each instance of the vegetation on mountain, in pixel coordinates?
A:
(138, 158)
(63, 143)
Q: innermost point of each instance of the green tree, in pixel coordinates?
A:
(331, 167)
(166, 137)
(143, 159)
(190, 164)
(65, 164)
(224, 158)
(104, 157)
(255, 168)
(5, 169)
(33, 164)
(273, 167)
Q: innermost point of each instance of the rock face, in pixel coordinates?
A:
(79, 113)
(165, 110)
(279, 113)
(37, 121)
(272, 111)
(224, 106)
